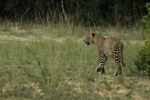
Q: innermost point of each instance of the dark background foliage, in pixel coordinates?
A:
(125, 12)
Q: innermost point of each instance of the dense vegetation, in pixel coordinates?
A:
(143, 61)
(125, 12)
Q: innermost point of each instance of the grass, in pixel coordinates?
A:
(51, 62)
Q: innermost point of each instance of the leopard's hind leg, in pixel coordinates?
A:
(116, 56)
(121, 55)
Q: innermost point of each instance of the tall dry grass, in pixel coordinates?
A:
(49, 61)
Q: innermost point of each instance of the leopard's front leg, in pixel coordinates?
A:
(102, 61)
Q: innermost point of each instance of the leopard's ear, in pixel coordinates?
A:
(93, 34)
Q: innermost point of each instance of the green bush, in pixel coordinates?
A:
(143, 61)
(146, 19)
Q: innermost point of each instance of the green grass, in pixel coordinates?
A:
(51, 62)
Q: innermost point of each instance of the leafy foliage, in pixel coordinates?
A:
(146, 19)
(143, 61)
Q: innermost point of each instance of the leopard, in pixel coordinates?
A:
(107, 47)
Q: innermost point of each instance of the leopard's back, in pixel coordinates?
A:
(111, 45)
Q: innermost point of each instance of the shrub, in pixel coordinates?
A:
(146, 19)
(143, 60)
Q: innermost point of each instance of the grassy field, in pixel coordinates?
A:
(51, 62)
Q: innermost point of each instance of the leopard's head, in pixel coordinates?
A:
(90, 39)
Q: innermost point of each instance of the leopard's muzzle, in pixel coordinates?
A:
(87, 43)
